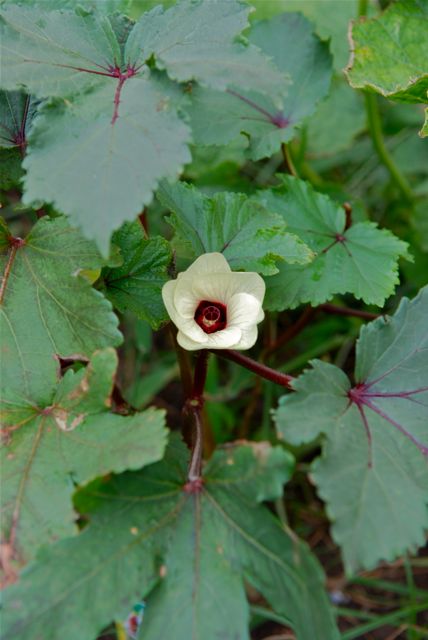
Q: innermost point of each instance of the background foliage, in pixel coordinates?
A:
(135, 137)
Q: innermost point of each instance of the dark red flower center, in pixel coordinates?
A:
(211, 316)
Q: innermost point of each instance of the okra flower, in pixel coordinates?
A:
(214, 307)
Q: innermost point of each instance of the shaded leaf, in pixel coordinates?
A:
(136, 284)
(197, 547)
(217, 118)
(320, 14)
(250, 236)
(69, 440)
(375, 456)
(115, 167)
(361, 259)
(46, 309)
(16, 113)
(337, 121)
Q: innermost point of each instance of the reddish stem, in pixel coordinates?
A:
(195, 405)
(291, 332)
(346, 311)
(348, 215)
(260, 369)
(15, 243)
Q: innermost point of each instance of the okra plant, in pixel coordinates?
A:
(214, 259)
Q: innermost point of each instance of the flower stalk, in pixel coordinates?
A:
(262, 370)
(194, 406)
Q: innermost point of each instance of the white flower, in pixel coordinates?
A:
(214, 307)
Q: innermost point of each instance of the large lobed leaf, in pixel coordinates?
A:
(217, 118)
(136, 284)
(390, 53)
(250, 236)
(100, 174)
(50, 447)
(114, 129)
(46, 309)
(373, 473)
(361, 259)
(186, 552)
(198, 41)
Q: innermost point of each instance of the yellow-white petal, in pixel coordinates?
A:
(243, 311)
(209, 263)
(220, 287)
(225, 339)
(185, 300)
(248, 339)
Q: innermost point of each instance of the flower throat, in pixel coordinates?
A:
(211, 316)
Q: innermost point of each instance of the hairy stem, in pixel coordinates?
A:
(261, 370)
(375, 128)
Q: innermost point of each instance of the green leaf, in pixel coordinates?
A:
(373, 473)
(99, 174)
(337, 121)
(16, 113)
(69, 440)
(320, 14)
(136, 284)
(217, 118)
(186, 552)
(51, 53)
(361, 260)
(103, 7)
(390, 53)
(424, 131)
(113, 128)
(197, 41)
(250, 236)
(46, 309)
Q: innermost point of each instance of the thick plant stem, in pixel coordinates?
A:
(195, 405)
(375, 128)
(260, 369)
(183, 363)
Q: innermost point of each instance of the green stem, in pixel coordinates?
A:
(362, 7)
(288, 160)
(375, 128)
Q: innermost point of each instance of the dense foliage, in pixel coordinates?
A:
(136, 137)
